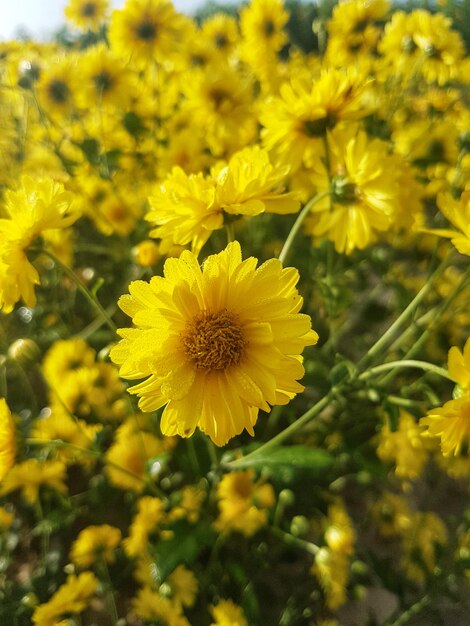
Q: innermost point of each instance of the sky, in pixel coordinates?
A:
(40, 18)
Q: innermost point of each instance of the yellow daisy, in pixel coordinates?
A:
(37, 205)
(296, 121)
(87, 14)
(364, 190)
(458, 214)
(227, 613)
(459, 365)
(7, 440)
(144, 29)
(215, 344)
(95, 543)
(71, 597)
(451, 423)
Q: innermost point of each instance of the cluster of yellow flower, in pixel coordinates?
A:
(152, 153)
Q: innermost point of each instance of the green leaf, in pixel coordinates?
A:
(91, 150)
(184, 546)
(277, 459)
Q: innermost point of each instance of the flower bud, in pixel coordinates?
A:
(24, 351)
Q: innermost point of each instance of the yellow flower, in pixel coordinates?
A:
(149, 515)
(60, 425)
(243, 503)
(220, 100)
(37, 206)
(126, 460)
(458, 214)
(144, 29)
(6, 519)
(95, 543)
(339, 534)
(221, 31)
(189, 505)
(296, 121)
(331, 568)
(104, 79)
(392, 514)
(364, 191)
(215, 344)
(404, 447)
(87, 14)
(183, 210)
(72, 597)
(7, 440)
(458, 365)
(183, 586)
(420, 544)
(353, 30)
(65, 357)
(250, 185)
(451, 423)
(32, 474)
(57, 87)
(186, 209)
(262, 23)
(150, 605)
(227, 613)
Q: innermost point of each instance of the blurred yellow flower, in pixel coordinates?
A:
(95, 543)
(150, 605)
(458, 365)
(7, 440)
(150, 513)
(451, 423)
(243, 503)
(87, 14)
(215, 344)
(457, 211)
(36, 206)
(32, 474)
(72, 597)
(227, 613)
(183, 586)
(404, 447)
(145, 30)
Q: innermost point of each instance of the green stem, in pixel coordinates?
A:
(287, 432)
(424, 365)
(411, 612)
(3, 376)
(93, 301)
(59, 443)
(431, 318)
(403, 317)
(298, 223)
(295, 541)
(110, 599)
(229, 230)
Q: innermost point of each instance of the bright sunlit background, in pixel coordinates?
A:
(40, 18)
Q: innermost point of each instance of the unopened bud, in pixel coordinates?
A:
(24, 351)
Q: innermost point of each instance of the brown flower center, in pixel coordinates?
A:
(58, 91)
(214, 341)
(147, 31)
(89, 9)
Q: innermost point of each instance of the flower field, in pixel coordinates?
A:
(235, 317)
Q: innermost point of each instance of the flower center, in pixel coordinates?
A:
(214, 341)
(58, 91)
(89, 9)
(342, 190)
(103, 81)
(147, 31)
